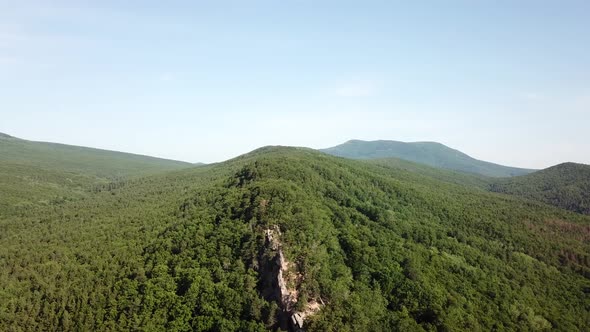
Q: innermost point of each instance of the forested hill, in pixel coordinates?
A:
(39, 173)
(366, 247)
(97, 162)
(424, 171)
(565, 185)
(428, 153)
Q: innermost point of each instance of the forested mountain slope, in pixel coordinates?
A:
(565, 185)
(421, 172)
(89, 161)
(380, 250)
(428, 153)
(39, 173)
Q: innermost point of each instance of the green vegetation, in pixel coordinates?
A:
(428, 153)
(566, 186)
(39, 174)
(385, 248)
(93, 162)
(421, 171)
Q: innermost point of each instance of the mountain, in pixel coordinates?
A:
(428, 153)
(33, 173)
(342, 245)
(565, 185)
(96, 162)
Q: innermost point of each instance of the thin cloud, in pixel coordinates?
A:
(7, 61)
(167, 77)
(10, 39)
(532, 96)
(581, 104)
(357, 89)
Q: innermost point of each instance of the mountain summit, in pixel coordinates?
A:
(428, 153)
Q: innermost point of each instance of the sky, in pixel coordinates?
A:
(205, 81)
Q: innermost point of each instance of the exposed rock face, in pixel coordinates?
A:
(279, 282)
(288, 296)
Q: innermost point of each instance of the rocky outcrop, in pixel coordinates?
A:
(279, 282)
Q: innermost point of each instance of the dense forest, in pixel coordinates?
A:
(566, 186)
(34, 174)
(380, 247)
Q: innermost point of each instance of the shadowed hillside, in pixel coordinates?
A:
(565, 185)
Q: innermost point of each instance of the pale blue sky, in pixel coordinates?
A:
(504, 81)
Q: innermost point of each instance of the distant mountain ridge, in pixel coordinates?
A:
(6, 136)
(97, 162)
(429, 153)
(36, 173)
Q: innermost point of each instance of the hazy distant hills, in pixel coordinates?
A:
(428, 153)
(97, 162)
(38, 173)
(565, 185)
